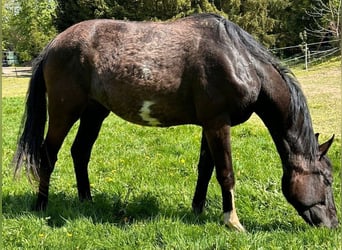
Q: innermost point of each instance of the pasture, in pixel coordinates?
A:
(143, 181)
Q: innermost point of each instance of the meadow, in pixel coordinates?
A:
(143, 181)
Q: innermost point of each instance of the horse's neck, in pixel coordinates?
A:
(288, 121)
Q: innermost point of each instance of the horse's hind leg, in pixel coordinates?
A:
(58, 128)
(219, 144)
(205, 170)
(66, 101)
(90, 125)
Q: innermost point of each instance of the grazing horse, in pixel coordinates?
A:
(201, 70)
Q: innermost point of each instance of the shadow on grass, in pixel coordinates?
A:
(120, 211)
(117, 210)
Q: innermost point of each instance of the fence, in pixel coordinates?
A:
(308, 53)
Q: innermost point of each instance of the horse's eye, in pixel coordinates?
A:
(327, 181)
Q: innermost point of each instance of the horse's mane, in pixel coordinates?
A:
(302, 139)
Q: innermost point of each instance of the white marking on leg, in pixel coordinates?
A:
(231, 219)
(145, 114)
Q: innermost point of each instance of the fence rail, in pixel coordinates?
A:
(309, 54)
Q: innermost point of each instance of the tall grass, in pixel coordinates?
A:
(142, 182)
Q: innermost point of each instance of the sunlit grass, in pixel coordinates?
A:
(322, 87)
(14, 86)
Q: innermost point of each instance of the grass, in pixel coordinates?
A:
(322, 87)
(143, 180)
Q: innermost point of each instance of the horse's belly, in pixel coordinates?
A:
(154, 113)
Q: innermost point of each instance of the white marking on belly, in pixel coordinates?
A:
(145, 114)
(146, 73)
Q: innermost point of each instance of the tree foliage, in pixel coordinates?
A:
(256, 17)
(27, 26)
(72, 11)
(268, 20)
(325, 16)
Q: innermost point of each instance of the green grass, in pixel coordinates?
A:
(143, 181)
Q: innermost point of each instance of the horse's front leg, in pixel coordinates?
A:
(88, 131)
(219, 144)
(205, 170)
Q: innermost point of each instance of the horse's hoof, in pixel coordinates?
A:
(86, 198)
(236, 227)
(198, 208)
(40, 205)
(232, 221)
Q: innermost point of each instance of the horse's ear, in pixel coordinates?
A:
(316, 135)
(323, 149)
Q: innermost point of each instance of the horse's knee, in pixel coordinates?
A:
(226, 181)
(74, 151)
(79, 154)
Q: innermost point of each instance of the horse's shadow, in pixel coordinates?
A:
(119, 211)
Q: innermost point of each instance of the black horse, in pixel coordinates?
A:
(201, 70)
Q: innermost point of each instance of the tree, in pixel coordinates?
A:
(294, 20)
(69, 12)
(261, 18)
(27, 26)
(325, 16)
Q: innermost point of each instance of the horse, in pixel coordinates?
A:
(202, 70)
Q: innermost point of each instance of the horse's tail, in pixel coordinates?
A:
(31, 136)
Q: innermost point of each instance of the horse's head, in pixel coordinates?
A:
(308, 187)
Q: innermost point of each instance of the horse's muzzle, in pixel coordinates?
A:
(320, 215)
